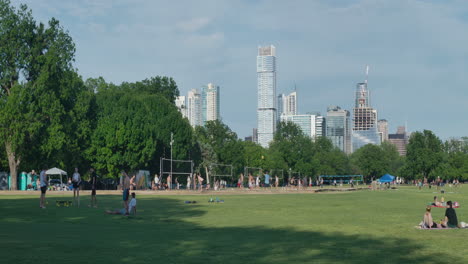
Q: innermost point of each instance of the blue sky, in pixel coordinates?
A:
(417, 52)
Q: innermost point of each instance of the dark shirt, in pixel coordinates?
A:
(452, 217)
(93, 180)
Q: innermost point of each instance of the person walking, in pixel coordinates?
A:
(76, 180)
(93, 181)
(43, 186)
(125, 190)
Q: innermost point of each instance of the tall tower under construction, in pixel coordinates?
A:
(364, 118)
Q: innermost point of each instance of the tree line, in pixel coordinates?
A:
(50, 117)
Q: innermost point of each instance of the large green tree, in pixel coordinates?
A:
(424, 155)
(41, 96)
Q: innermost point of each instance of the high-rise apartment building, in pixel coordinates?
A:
(181, 105)
(382, 127)
(194, 108)
(400, 140)
(210, 103)
(364, 119)
(339, 128)
(255, 135)
(266, 88)
(287, 104)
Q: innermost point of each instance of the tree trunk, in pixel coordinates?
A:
(13, 163)
(207, 175)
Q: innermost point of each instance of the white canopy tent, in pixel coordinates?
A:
(56, 171)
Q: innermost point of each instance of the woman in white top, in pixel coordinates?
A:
(189, 181)
(76, 180)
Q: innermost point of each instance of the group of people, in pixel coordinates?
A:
(450, 219)
(75, 181)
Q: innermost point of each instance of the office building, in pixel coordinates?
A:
(382, 127)
(339, 128)
(305, 122)
(320, 126)
(266, 88)
(210, 103)
(194, 108)
(400, 140)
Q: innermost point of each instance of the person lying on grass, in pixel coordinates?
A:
(131, 208)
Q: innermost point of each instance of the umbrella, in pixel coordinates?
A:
(56, 171)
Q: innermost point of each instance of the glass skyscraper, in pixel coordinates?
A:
(266, 88)
(305, 122)
(194, 108)
(364, 119)
(338, 128)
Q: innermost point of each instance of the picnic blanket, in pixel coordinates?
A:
(441, 206)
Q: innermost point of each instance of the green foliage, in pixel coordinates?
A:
(219, 144)
(44, 107)
(424, 155)
(134, 130)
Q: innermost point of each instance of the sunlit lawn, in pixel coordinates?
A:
(345, 227)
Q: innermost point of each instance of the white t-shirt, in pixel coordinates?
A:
(156, 180)
(132, 204)
(76, 177)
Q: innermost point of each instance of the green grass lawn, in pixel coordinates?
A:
(345, 227)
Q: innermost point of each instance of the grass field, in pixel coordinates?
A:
(344, 227)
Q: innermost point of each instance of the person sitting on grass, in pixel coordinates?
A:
(450, 220)
(123, 211)
(428, 223)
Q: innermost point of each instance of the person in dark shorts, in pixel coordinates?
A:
(125, 189)
(451, 219)
(93, 181)
(43, 185)
(76, 180)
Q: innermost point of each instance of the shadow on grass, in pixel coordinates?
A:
(163, 233)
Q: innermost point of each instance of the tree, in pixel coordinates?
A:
(219, 143)
(424, 155)
(40, 91)
(291, 149)
(134, 129)
(370, 161)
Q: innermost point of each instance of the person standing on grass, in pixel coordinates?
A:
(93, 182)
(276, 181)
(126, 190)
(189, 181)
(76, 180)
(200, 181)
(267, 179)
(43, 186)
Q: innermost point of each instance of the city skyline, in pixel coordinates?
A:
(416, 48)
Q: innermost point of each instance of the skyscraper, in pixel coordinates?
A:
(364, 118)
(382, 126)
(287, 104)
(338, 128)
(210, 103)
(194, 108)
(181, 105)
(266, 88)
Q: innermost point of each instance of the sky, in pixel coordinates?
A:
(417, 51)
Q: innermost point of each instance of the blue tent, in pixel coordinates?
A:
(387, 178)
